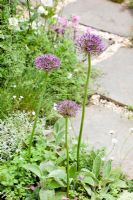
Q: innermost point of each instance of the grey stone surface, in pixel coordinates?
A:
(102, 14)
(117, 79)
(98, 122)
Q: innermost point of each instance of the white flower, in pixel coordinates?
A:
(69, 76)
(131, 130)
(111, 132)
(41, 10)
(14, 97)
(14, 86)
(103, 158)
(55, 16)
(48, 3)
(21, 97)
(34, 25)
(14, 23)
(114, 141)
(111, 158)
(33, 113)
(55, 106)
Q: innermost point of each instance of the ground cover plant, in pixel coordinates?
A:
(42, 81)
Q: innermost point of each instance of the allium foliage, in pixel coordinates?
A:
(90, 43)
(67, 108)
(47, 62)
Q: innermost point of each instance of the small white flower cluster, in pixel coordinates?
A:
(48, 3)
(15, 97)
(13, 132)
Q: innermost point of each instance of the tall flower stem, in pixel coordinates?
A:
(28, 7)
(83, 110)
(67, 153)
(37, 115)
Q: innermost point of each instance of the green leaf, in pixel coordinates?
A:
(107, 169)
(59, 195)
(47, 194)
(59, 130)
(88, 189)
(96, 165)
(107, 197)
(72, 171)
(47, 166)
(58, 173)
(53, 184)
(120, 184)
(86, 172)
(34, 169)
(89, 180)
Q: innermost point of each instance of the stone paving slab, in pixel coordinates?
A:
(99, 120)
(102, 14)
(117, 79)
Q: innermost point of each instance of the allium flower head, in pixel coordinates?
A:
(67, 108)
(47, 62)
(75, 19)
(62, 21)
(90, 43)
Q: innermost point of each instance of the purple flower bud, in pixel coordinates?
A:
(47, 62)
(67, 108)
(75, 19)
(90, 43)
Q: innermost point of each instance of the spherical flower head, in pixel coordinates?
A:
(75, 19)
(90, 43)
(59, 30)
(47, 62)
(67, 108)
(63, 21)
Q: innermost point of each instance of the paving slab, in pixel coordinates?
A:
(117, 79)
(102, 14)
(99, 120)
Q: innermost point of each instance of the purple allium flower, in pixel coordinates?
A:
(63, 21)
(59, 30)
(75, 19)
(47, 62)
(67, 108)
(90, 43)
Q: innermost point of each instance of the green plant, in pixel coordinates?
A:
(83, 109)
(96, 178)
(118, 1)
(90, 44)
(37, 113)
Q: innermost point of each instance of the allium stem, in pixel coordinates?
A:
(37, 114)
(83, 110)
(67, 153)
(28, 7)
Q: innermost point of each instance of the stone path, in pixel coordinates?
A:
(116, 63)
(117, 81)
(99, 121)
(102, 14)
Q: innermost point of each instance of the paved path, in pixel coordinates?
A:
(102, 14)
(117, 81)
(99, 120)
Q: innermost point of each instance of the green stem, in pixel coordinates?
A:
(28, 7)
(83, 110)
(67, 154)
(37, 115)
